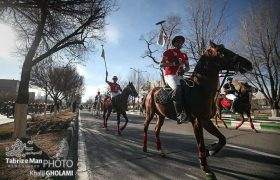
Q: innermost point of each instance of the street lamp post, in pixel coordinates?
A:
(138, 80)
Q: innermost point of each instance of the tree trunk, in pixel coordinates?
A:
(46, 104)
(20, 120)
(22, 103)
(275, 113)
(275, 109)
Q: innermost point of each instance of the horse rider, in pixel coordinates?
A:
(230, 92)
(97, 97)
(173, 60)
(115, 90)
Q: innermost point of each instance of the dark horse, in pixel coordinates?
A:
(200, 101)
(121, 106)
(241, 106)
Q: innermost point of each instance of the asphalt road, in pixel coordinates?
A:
(248, 155)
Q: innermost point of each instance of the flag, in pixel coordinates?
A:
(162, 38)
(103, 54)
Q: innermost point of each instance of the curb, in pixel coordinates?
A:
(82, 165)
(262, 123)
(263, 126)
(68, 148)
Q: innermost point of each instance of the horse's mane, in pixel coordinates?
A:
(203, 64)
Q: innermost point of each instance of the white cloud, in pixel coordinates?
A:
(91, 91)
(112, 35)
(81, 70)
(7, 41)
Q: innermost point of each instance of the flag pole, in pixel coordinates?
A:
(103, 55)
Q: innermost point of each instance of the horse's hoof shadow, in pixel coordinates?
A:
(162, 153)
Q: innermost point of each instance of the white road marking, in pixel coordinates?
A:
(190, 176)
(253, 151)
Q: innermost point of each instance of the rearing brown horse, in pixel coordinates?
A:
(121, 106)
(200, 100)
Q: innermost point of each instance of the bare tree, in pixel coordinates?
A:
(172, 27)
(47, 28)
(64, 82)
(60, 82)
(261, 38)
(137, 78)
(206, 21)
(40, 77)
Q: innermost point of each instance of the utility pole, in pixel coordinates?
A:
(138, 81)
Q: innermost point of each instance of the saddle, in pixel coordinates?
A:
(164, 95)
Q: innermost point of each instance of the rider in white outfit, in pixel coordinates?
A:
(230, 91)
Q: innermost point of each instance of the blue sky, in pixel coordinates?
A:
(123, 48)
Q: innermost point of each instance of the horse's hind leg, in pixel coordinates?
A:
(160, 121)
(215, 120)
(126, 121)
(216, 147)
(149, 116)
(219, 115)
(223, 122)
(242, 121)
(251, 122)
(118, 122)
(104, 119)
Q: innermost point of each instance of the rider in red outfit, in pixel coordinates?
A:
(115, 90)
(175, 63)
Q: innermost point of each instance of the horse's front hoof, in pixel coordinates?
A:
(210, 176)
(255, 131)
(145, 149)
(217, 126)
(122, 128)
(214, 149)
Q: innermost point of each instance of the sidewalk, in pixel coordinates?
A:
(261, 122)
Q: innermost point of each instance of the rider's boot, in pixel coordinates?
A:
(177, 101)
(180, 115)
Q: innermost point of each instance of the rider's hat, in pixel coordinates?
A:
(115, 77)
(178, 38)
(229, 78)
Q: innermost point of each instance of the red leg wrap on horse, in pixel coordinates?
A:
(158, 143)
(203, 162)
(252, 125)
(145, 138)
(202, 154)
